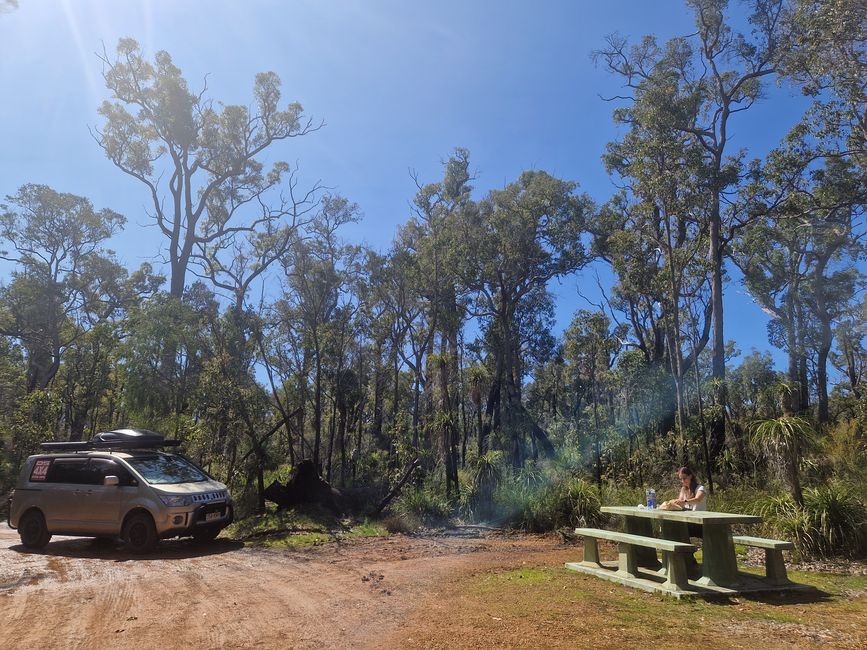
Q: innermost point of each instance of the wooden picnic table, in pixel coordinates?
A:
(719, 563)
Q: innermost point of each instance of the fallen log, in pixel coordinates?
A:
(397, 488)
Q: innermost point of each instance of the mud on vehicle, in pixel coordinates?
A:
(118, 484)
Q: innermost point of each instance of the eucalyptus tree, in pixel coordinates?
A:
(428, 258)
(850, 357)
(772, 255)
(799, 256)
(516, 241)
(837, 231)
(65, 279)
(154, 391)
(198, 160)
(661, 213)
(712, 75)
(590, 349)
(317, 277)
(825, 53)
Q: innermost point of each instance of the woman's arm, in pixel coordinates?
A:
(698, 498)
(684, 499)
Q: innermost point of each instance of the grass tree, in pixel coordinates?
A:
(783, 439)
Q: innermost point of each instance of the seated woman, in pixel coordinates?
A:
(692, 495)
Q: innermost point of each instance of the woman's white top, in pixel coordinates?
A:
(701, 505)
(699, 491)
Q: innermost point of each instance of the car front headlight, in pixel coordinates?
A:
(175, 500)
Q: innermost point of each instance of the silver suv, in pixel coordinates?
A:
(117, 484)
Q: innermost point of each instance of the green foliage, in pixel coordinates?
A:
(300, 528)
(486, 473)
(422, 507)
(845, 449)
(832, 521)
(619, 494)
(33, 422)
(540, 506)
(784, 439)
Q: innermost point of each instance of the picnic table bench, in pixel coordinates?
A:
(775, 567)
(638, 544)
(675, 553)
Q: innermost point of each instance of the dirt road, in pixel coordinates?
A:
(76, 594)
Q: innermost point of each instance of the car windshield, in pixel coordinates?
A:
(166, 469)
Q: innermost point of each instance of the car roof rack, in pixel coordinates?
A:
(117, 439)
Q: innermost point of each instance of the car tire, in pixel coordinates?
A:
(206, 535)
(32, 530)
(139, 533)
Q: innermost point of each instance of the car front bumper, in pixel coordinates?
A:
(179, 522)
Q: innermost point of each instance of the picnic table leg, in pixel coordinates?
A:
(676, 577)
(775, 567)
(591, 551)
(677, 531)
(627, 560)
(645, 557)
(719, 563)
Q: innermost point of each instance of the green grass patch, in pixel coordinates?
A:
(518, 577)
(299, 529)
(831, 583)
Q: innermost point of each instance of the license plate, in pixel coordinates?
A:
(211, 516)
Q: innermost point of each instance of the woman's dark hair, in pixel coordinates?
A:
(693, 482)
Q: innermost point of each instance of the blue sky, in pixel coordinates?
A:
(399, 85)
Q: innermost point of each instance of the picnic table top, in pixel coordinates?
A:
(687, 516)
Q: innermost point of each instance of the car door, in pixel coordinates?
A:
(62, 501)
(104, 502)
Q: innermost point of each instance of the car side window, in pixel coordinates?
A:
(69, 470)
(102, 467)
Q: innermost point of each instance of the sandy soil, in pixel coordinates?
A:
(442, 591)
(77, 594)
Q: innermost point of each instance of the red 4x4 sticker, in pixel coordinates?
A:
(40, 470)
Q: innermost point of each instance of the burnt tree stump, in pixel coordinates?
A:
(305, 486)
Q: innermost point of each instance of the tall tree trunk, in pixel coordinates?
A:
(825, 338)
(377, 396)
(718, 364)
(317, 408)
(341, 437)
(792, 397)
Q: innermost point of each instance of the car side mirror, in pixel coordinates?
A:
(111, 480)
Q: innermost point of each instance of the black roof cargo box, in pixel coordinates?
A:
(118, 439)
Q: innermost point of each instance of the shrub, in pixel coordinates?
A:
(486, 475)
(565, 503)
(832, 521)
(422, 507)
(845, 448)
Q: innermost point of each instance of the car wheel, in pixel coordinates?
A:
(206, 535)
(32, 529)
(139, 533)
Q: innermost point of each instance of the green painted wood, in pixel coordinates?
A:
(675, 530)
(688, 516)
(636, 540)
(646, 557)
(761, 542)
(591, 551)
(749, 584)
(775, 567)
(719, 563)
(626, 561)
(675, 571)
(679, 532)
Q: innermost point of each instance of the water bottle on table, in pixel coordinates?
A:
(651, 498)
